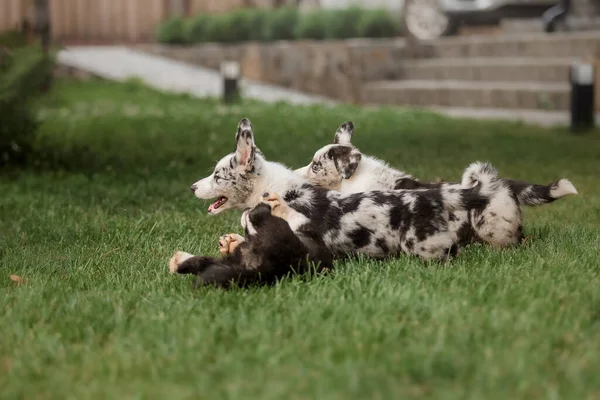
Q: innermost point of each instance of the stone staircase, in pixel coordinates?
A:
(527, 71)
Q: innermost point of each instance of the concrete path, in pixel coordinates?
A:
(119, 63)
(535, 117)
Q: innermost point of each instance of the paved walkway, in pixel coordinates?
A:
(120, 63)
(535, 117)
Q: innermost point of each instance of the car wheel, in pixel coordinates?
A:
(425, 20)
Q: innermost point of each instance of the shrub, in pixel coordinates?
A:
(23, 71)
(241, 24)
(171, 31)
(313, 25)
(344, 24)
(378, 24)
(285, 23)
(197, 29)
(281, 24)
(258, 20)
(219, 29)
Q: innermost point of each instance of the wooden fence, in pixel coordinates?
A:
(109, 21)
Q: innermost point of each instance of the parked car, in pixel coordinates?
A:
(430, 19)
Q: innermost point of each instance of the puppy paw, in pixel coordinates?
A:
(178, 258)
(279, 208)
(229, 242)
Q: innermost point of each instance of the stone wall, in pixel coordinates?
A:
(335, 69)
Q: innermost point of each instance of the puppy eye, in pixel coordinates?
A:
(315, 167)
(217, 178)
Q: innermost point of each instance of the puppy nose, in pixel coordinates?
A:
(193, 188)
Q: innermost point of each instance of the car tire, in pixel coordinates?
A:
(425, 20)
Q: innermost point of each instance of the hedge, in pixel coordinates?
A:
(23, 72)
(285, 23)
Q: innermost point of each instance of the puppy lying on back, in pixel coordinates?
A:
(270, 251)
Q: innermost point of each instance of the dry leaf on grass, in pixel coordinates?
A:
(17, 279)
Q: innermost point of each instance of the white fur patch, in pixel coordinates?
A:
(564, 187)
(178, 258)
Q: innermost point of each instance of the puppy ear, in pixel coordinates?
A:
(344, 133)
(245, 150)
(346, 160)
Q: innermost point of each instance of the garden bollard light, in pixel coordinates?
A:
(582, 96)
(230, 71)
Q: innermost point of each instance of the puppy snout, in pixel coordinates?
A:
(193, 188)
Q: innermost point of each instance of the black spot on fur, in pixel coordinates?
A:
(466, 235)
(452, 217)
(380, 242)
(479, 223)
(345, 161)
(399, 215)
(452, 251)
(351, 203)
(410, 244)
(428, 214)
(291, 195)
(412, 183)
(323, 214)
(360, 236)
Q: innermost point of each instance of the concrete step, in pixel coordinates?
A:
(489, 69)
(450, 93)
(572, 24)
(578, 44)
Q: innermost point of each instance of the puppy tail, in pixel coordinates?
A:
(480, 173)
(479, 182)
(535, 195)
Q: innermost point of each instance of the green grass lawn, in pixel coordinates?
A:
(99, 316)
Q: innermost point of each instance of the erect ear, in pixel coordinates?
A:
(344, 133)
(346, 160)
(245, 150)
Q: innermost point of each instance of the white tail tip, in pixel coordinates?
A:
(562, 188)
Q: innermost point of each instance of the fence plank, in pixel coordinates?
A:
(106, 20)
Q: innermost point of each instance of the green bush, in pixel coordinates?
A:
(23, 71)
(241, 25)
(197, 29)
(281, 24)
(258, 21)
(171, 31)
(285, 23)
(217, 29)
(344, 24)
(313, 25)
(378, 24)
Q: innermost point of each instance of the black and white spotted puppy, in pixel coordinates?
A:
(341, 166)
(269, 252)
(428, 223)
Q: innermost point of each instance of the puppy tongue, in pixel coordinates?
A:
(218, 203)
